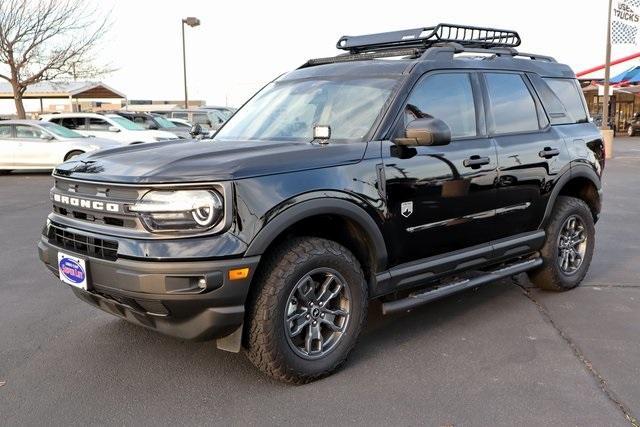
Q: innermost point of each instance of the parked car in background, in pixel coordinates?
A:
(109, 126)
(181, 123)
(155, 122)
(633, 126)
(208, 119)
(225, 111)
(32, 144)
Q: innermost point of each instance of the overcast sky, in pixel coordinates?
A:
(241, 45)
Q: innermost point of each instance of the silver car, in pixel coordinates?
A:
(32, 144)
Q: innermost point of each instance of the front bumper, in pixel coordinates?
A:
(164, 295)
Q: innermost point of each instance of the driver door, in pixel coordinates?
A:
(33, 149)
(442, 198)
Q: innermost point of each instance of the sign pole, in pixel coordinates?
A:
(607, 74)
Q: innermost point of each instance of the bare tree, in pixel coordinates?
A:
(48, 39)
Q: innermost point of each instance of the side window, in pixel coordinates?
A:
(28, 132)
(571, 96)
(448, 97)
(513, 107)
(98, 124)
(141, 120)
(555, 109)
(70, 122)
(202, 119)
(5, 131)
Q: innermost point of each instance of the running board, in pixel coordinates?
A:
(416, 299)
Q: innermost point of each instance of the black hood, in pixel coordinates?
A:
(188, 161)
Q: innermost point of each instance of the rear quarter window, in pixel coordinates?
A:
(569, 93)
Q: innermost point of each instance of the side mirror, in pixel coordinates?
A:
(153, 126)
(195, 130)
(425, 131)
(113, 129)
(46, 137)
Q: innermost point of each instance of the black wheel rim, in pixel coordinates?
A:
(572, 245)
(317, 313)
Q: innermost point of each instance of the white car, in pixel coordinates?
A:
(109, 126)
(32, 144)
(182, 123)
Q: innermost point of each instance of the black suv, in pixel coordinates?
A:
(351, 178)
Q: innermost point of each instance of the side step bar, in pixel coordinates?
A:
(416, 299)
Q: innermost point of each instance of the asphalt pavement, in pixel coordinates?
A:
(502, 354)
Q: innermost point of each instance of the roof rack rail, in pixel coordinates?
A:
(423, 38)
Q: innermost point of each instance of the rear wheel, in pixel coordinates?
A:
(5, 171)
(72, 154)
(307, 311)
(569, 246)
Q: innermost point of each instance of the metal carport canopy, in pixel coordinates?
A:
(74, 89)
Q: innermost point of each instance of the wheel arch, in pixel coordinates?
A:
(343, 221)
(581, 182)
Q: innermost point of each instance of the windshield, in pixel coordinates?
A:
(164, 123)
(289, 110)
(60, 131)
(126, 123)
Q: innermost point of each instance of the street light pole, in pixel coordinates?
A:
(192, 22)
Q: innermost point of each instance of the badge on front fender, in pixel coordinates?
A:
(406, 209)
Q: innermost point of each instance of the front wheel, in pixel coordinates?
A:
(630, 131)
(307, 310)
(568, 248)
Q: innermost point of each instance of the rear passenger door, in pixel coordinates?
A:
(531, 153)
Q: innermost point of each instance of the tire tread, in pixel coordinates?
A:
(261, 349)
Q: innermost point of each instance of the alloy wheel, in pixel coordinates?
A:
(317, 313)
(572, 245)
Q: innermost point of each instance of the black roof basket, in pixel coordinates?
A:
(423, 38)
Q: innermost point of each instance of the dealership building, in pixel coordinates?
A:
(624, 100)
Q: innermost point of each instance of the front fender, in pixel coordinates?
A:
(311, 204)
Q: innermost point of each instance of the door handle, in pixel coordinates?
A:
(549, 152)
(476, 161)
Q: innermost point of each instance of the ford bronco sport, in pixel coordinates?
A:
(355, 177)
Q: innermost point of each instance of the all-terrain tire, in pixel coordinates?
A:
(267, 339)
(551, 276)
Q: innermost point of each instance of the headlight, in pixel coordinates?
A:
(184, 210)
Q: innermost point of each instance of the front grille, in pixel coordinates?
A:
(102, 193)
(86, 245)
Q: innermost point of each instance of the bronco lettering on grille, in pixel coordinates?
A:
(86, 203)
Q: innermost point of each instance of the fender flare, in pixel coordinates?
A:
(309, 208)
(580, 171)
